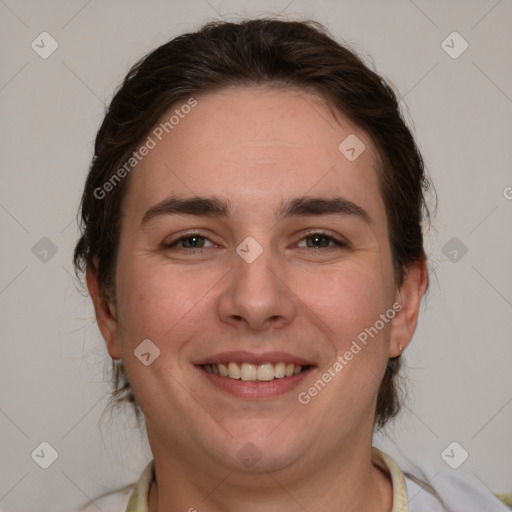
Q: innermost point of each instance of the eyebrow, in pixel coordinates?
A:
(219, 207)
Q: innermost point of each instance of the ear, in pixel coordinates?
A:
(105, 311)
(408, 295)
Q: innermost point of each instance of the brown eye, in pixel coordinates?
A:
(322, 241)
(191, 241)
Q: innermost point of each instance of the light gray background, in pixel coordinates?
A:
(53, 360)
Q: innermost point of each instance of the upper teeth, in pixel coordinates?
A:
(248, 371)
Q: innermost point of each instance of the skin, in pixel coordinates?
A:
(257, 147)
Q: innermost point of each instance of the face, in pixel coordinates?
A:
(251, 245)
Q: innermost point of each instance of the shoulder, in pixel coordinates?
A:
(116, 501)
(456, 493)
(419, 498)
(131, 498)
(437, 491)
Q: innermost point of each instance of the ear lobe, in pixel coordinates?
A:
(104, 310)
(409, 296)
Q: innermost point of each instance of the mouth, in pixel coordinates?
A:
(254, 372)
(255, 376)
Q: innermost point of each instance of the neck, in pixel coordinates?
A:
(345, 482)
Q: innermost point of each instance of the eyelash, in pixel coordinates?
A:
(338, 244)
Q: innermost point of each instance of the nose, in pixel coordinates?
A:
(257, 295)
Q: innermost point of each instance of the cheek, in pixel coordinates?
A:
(350, 304)
(163, 303)
(347, 300)
(165, 307)
(149, 302)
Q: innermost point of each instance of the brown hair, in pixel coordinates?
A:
(284, 54)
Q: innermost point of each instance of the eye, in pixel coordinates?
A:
(321, 240)
(190, 241)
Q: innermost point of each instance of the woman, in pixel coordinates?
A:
(253, 248)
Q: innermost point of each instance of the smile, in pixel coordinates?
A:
(254, 376)
(254, 372)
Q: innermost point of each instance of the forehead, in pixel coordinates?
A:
(256, 145)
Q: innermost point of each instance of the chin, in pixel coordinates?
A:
(259, 448)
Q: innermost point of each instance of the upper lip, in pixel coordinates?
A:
(254, 358)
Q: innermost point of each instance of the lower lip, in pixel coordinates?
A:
(256, 390)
